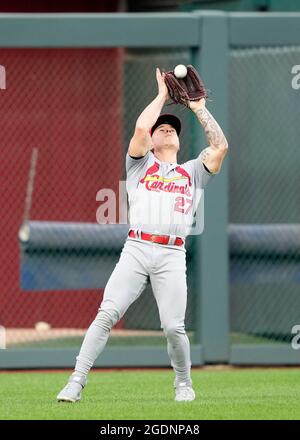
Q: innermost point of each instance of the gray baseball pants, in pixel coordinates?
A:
(166, 268)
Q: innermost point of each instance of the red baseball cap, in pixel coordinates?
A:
(167, 119)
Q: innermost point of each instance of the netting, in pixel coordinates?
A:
(264, 194)
(66, 118)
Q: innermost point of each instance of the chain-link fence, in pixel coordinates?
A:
(264, 210)
(66, 118)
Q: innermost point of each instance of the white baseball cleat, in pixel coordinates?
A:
(72, 391)
(184, 393)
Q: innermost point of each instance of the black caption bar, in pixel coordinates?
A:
(102, 429)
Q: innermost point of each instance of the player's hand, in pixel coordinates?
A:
(162, 88)
(196, 105)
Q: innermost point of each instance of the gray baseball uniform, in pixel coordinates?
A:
(163, 198)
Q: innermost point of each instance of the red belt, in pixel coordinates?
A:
(161, 239)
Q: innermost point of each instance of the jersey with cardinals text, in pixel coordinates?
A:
(163, 197)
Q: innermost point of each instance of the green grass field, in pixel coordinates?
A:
(148, 395)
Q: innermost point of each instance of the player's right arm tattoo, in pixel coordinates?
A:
(213, 131)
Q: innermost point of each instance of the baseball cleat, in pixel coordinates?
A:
(72, 391)
(184, 393)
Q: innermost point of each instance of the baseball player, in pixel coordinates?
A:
(162, 203)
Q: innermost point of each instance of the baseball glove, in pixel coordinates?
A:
(189, 88)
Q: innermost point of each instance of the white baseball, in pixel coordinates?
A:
(180, 71)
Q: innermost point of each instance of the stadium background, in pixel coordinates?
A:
(77, 108)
